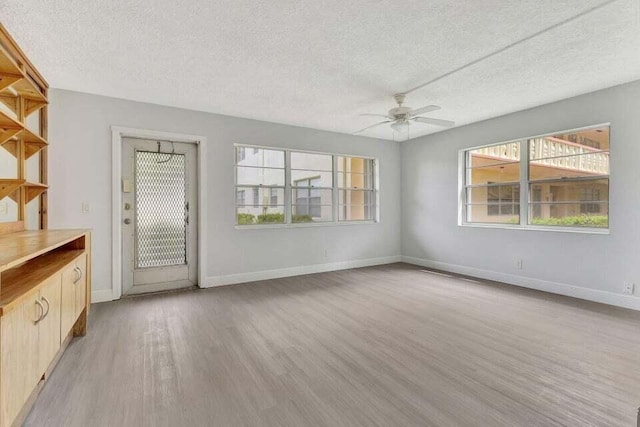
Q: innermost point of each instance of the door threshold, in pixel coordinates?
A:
(167, 291)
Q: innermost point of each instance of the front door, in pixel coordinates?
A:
(159, 214)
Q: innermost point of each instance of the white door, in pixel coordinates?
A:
(159, 214)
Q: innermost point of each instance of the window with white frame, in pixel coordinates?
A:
(565, 177)
(356, 191)
(260, 174)
(293, 187)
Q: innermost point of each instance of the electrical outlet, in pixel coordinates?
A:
(519, 264)
(628, 288)
(86, 208)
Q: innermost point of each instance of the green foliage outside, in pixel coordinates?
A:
(272, 218)
(595, 221)
(579, 220)
(245, 218)
(301, 218)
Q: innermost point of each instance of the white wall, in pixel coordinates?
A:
(80, 171)
(585, 265)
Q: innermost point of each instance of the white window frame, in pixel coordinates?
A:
(524, 187)
(288, 187)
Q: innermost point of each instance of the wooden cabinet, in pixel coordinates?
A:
(80, 285)
(45, 280)
(67, 300)
(19, 373)
(74, 294)
(49, 325)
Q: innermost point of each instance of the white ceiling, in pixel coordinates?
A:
(321, 63)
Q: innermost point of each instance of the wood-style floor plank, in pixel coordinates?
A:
(391, 345)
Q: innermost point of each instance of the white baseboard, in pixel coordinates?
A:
(101, 295)
(619, 300)
(231, 279)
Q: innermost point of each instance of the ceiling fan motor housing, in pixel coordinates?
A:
(399, 113)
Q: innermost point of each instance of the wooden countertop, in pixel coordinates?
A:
(16, 248)
(18, 283)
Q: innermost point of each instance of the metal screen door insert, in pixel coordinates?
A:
(161, 209)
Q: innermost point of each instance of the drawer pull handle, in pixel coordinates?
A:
(79, 274)
(48, 306)
(41, 311)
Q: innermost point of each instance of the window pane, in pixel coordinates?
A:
(593, 164)
(303, 178)
(259, 176)
(494, 154)
(356, 197)
(570, 144)
(590, 214)
(354, 180)
(571, 191)
(311, 213)
(356, 212)
(308, 161)
(311, 196)
(246, 215)
(355, 165)
(259, 196)
(355, 172)
(495, 213)
(246, 156)
(497, 163)
(494, 194)
(507, 172)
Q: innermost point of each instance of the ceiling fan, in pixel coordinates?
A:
(401, 117)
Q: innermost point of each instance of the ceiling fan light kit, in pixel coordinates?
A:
(402, 117)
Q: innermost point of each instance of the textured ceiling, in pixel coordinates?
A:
(321, 63)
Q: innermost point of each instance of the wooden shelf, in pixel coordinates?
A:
(18, 283)
(25, 245)
(9, 70)
(33, 143)
(33, 190)
(15, 82)
(11, 146)
(9, 186)
(9, 123)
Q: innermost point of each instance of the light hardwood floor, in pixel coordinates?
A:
(380, 346)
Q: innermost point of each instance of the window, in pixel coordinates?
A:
(240, 197)
(261, 174)
(356, 193)
(292, 187)
(311, 187)
(565, 177)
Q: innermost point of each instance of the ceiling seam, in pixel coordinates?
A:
(511, 45)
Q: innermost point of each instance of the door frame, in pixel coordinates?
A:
(117, 134)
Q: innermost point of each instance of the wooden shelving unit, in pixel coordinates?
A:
(24, 92)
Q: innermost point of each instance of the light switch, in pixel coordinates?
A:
(86, 208)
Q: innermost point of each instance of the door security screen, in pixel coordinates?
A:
(161, 209)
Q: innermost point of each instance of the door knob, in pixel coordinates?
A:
(127, 221)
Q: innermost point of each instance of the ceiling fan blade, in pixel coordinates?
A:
(384, 116)
(422, 110)
(372, 126)
(436, 122)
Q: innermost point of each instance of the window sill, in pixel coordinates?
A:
(584, 230)
(304, 225)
